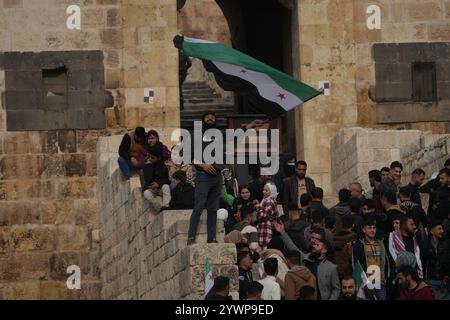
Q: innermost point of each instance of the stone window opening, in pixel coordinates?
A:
(55, 87)
(424, 81)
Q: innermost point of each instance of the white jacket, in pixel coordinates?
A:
(271, 289)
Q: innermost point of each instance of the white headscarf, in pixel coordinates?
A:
(273, 192)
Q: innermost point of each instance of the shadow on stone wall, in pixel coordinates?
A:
(144, 256)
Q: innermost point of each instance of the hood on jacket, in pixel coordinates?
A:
(269, 252)
(301, 272)
(341, 208)
(342, 237)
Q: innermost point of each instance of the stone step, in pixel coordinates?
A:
(201, 95)
(199, 100)
(209, 105)
(194, 84)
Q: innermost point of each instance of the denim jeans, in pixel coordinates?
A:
(126, 167)
(376, 294)
(207, 191)
(440, 289)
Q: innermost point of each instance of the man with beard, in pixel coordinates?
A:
(404, 239)
(432, 187)
(436, 261)
(327, 278)
(417, 179)
(412, 287)
(296, 186)
(208, 183)
(442, 207)
(348, 288)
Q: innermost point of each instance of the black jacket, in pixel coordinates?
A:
(359, 254)
(436, 262)
(214, 296)
(317, 206)
(432, 188)
(290, 192)
(182, 196)
(124, 148)
(245, 277)
(155, 172)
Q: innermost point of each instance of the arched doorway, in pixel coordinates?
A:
(263, 30)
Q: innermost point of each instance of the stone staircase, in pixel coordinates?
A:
(199, 98)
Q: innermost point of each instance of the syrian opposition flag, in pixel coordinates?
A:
(361, 280)
(269, 91)
(209, 278)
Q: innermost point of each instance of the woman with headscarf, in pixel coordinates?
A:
(266, 213)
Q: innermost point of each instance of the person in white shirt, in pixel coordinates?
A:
(271, 289)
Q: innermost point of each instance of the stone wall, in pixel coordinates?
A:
(143, 254)
(336, 45)
(356, 151)
(402, 21)
(48, 214)
(429, 152)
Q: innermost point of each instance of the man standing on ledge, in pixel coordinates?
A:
(208, 182)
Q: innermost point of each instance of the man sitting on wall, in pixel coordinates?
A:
(129, 151)
(157, 184)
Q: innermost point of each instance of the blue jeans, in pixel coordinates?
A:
(440, 289)
(379, 294)
(207, 192)
(126, 167)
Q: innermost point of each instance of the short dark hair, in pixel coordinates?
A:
(330, 222)
(347, 277)
(418, 172)
(396, 164)
(445, 171)
(370, 203)
(347, 221)
(306, 293)
(140, 132)
(179, 175)
(390, 197)
(305, 199)
(221, 282)
(405, 191)
(241, 245)
(294, 257)
(369, 221)
(409, 271)
(271, 266)
(316, 217)
(344, 195)
(241, 256)
(355, 205)
(447, 162)
(246, 211)
(376, 174)
(254, 288)
(404, 218)
(385, 169)
(208, 113)
(317, 193)
(320, 231)
(301, 162)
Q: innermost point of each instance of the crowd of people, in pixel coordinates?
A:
(382, 244)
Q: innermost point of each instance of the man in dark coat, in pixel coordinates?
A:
(296, 186)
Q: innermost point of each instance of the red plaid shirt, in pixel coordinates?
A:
(266, 214)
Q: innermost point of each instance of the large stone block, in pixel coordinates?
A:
(20, 291)
(72, 237)
(423, 11)
(60, 261)
(77, 188)
(33, 238)
(57, 290)
(75, 164)
(57, 212)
